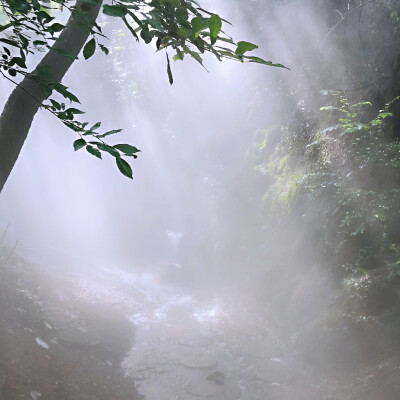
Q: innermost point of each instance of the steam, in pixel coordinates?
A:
(190, 215)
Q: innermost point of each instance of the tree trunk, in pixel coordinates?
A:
(25, 100)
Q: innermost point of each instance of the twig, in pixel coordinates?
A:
(66, 376)
(21, 87)
(343, 18)
(363, 48)
(4, 233)
(11, 253)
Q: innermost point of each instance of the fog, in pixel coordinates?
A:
(193, 136)
(215, 301)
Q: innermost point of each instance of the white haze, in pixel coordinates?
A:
(58, 199)
(73, 208)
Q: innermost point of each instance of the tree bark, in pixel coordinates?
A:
(25, 100)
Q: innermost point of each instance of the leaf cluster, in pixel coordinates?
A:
(30, 26)
(184, 27)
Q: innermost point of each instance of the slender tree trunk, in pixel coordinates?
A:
(25, 100)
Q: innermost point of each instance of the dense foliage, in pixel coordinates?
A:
(331, 183)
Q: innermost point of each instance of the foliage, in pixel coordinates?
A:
(330, 182)
(347, 181)
(31, 26)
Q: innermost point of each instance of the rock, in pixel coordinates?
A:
(217, 377)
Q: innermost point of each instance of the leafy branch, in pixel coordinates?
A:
(28, 26)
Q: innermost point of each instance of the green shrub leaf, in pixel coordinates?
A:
(215, 24)
(127, 149)
(243, 47)
(93, 151)
(78, 144)
(124, 167)
(89, 48)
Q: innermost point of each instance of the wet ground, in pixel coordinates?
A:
(55, 342)
(192, 344)
(105, 333)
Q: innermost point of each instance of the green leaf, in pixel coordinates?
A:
(124, 167)
(169, 72)
(39, 43)
(127, 148)
(215, 24)
(229, 54)
(198, 25)
(173, 2)
(197, 57)
(130, 29)
(93, 151)
(10, 42)
(78, 144)
(385, 115)
(19, 61)
(56, 27)
(6, 26)
(104, 49)
(55, 104)
(182, 14)
(184, 32)
(115, 11)
(179, 55)
(89, 49)
(243, 47)
(109, 133)
(200, 44)
(261, 61)
(108, 149)
(146, 35)
(95, 126)
(63, 90)
(44, 17)
(36, 5)
(73, 111)
(156, 24)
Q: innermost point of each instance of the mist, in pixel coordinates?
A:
(223, 270)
